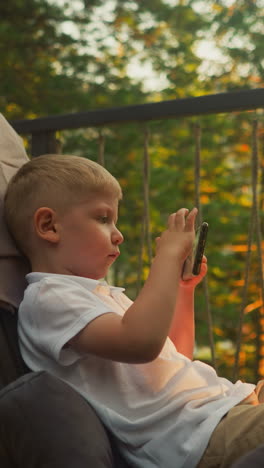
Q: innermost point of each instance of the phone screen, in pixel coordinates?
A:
(192, 264)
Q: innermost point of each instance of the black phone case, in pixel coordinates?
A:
(200, 249)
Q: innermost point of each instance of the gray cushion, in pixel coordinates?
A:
(11, 362)
(13, 266)
(44, 423)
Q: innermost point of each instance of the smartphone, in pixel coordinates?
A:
(192, 264)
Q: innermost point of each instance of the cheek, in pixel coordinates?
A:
(76, 239)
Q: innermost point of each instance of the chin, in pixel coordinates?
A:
(85, 273)
(93, 276)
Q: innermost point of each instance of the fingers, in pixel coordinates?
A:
(178, 219)
(190, 220)
(182, 220)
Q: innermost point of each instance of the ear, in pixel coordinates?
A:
(45, 223)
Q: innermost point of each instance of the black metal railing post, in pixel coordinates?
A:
(44, 143)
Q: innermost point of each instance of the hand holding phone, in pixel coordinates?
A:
(192, 264)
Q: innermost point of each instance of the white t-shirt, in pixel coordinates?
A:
(162, 413)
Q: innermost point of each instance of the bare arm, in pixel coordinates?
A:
(182, 330)
(140, 334)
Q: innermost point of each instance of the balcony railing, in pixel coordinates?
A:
(43, 129)
(43, 137)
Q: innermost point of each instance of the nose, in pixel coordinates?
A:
(117, 237)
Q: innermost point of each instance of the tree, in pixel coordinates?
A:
(43, 69)
(237, 29)
(69, 58)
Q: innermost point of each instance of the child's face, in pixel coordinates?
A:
(89, 238)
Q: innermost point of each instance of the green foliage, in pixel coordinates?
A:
(37, 60)
(238, 32)
(68, 57)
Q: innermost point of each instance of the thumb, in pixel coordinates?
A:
(157, 241)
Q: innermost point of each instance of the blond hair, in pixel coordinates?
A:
(56, 181)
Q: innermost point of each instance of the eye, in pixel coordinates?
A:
(104, 219)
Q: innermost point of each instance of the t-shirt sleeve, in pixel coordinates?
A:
(51, 314)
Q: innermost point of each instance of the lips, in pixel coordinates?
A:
(114, 255)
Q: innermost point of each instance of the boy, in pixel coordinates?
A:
(161, 406)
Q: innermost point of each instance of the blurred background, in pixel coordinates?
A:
(62, 57)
